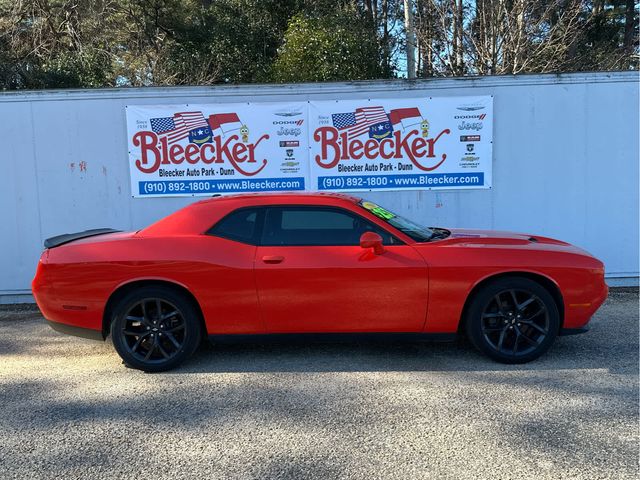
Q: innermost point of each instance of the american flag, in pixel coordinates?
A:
(358, 122)
(178, 127)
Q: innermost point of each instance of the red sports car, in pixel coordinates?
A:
(312, 264)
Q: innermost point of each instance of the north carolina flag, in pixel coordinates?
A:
(406, 117)
(224, 122)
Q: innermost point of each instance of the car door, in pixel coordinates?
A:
(226, 286)
(313, 276)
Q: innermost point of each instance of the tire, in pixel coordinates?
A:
(151, 342)
(512, 320)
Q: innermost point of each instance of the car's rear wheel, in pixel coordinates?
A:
(155, 328)
(512, 320)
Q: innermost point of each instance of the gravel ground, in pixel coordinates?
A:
(68, 408)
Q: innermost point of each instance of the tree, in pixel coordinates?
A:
(518, 36)
(52, 43)
(181, 42)
(608, 37)
(336, 46)
(483, 37)
(102, 43)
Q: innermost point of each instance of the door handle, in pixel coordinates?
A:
(272, 259)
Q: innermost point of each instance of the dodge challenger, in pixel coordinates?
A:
(317, 264)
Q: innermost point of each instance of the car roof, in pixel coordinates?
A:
(199, 216)
(284, 196)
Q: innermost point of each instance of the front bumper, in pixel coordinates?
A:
(579, 310)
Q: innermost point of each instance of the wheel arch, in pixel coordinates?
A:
(125, 288)
(546, 282)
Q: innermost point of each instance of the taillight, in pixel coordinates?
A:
(38, 279)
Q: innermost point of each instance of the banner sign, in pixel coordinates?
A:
(222, 148)
(347, 145)
(401, 144)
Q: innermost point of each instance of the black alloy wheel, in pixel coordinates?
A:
(513, 320)
(155, 329)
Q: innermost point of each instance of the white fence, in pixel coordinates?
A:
(565, 163)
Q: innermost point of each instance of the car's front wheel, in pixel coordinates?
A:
(155, 328)
(512, 320)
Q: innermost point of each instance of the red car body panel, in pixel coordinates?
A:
(415, 287)
(342, 289)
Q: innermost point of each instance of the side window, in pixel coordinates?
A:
(240, 226)
(297, 226)
(315, 220)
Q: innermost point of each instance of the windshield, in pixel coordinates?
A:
(417, 232)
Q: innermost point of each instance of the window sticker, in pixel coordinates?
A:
(378, 211)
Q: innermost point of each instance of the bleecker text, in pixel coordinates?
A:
(336, 147)
(154, 153)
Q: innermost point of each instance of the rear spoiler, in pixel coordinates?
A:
(70, 237)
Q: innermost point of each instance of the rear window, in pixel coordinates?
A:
(239, 226)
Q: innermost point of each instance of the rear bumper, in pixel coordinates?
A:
(70, 318)
(573, 331)
(76, 331)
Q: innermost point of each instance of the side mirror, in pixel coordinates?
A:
(372, 240)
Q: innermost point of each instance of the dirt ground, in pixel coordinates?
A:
(69, 408)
